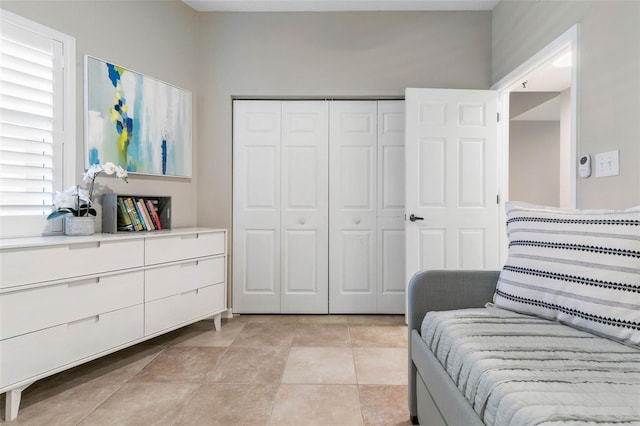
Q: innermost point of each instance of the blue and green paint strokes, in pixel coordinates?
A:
(119, 116)
(138, 122)
(124, 124)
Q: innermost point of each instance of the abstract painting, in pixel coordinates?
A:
(135, 121)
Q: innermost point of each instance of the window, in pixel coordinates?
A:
(37, 123)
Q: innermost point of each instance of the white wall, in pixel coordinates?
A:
(534, 162)
(157, 38)
(368, 54)
(608, 87)
(222, 55)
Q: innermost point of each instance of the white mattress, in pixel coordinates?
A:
(520, 370)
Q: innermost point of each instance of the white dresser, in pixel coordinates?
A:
(67, 300)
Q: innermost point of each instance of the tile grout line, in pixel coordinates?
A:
(124, 383)
(202, 384)
(275, 397)
(355, 370)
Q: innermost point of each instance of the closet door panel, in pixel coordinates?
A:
(261, 179)
(390, 266)
(256, 203)
(300, 271)
(391, 281)
(391, 195)
(356, 277)
(304, 208)
(357, 184)
(259, 268)
(352, 217)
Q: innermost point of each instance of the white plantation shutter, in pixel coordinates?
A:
(32, 123)
(26, 122)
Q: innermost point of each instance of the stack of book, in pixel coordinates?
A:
(138, 214)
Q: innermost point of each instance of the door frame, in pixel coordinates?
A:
(504, 86)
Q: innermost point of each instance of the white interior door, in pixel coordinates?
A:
(256, 206)
(390, 211)
(352, 200)
(305, 207)
(451, 180)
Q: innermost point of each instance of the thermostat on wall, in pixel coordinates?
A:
(585, 166)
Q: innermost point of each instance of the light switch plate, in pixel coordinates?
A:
(607, 164)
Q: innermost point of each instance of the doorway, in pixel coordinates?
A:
(548, 76)
(542, 89)
(539, 134)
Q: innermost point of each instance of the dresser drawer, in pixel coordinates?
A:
(47, 263)
(175, 279)
(175, 310)
(36, 353)
(181, 247)
(30, 310)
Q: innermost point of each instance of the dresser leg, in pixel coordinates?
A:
(217, 322)
(12, 402)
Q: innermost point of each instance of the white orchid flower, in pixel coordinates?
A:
(91, 173)
(109, 168)
(83, 194)
(76, 200)
(122, 174)
(65, 199)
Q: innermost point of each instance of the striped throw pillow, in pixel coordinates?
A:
(578, 267)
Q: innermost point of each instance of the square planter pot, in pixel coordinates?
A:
(85, 225)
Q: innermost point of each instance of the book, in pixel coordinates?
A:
(140, 217)
(124, 220)
(129, 213)
(133, 214)
(145, 215)
(154, 214)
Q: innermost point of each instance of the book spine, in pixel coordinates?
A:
(124, 223)
(140, 217)
(128, 211)
(154, 214)
(133, 213)
(145, 215)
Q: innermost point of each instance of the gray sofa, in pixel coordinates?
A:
(434, 399)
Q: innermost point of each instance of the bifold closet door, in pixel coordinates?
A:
(305, 212)
(352, 201)
(256, 206)
(366, 215)
(390, 212)
(280, 259)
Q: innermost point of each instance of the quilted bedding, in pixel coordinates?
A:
(516, 369)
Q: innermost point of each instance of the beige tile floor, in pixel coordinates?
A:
(258, 370)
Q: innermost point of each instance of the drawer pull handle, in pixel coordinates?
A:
(189, 236)
(184, 265)
(196, 291)
(84, 246)
(84, 282)
(93, 318)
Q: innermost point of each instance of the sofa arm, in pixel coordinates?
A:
(447, 290)
(442, 291)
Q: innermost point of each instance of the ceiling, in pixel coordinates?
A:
(336, 5)
(547, 78)
(547, 111)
